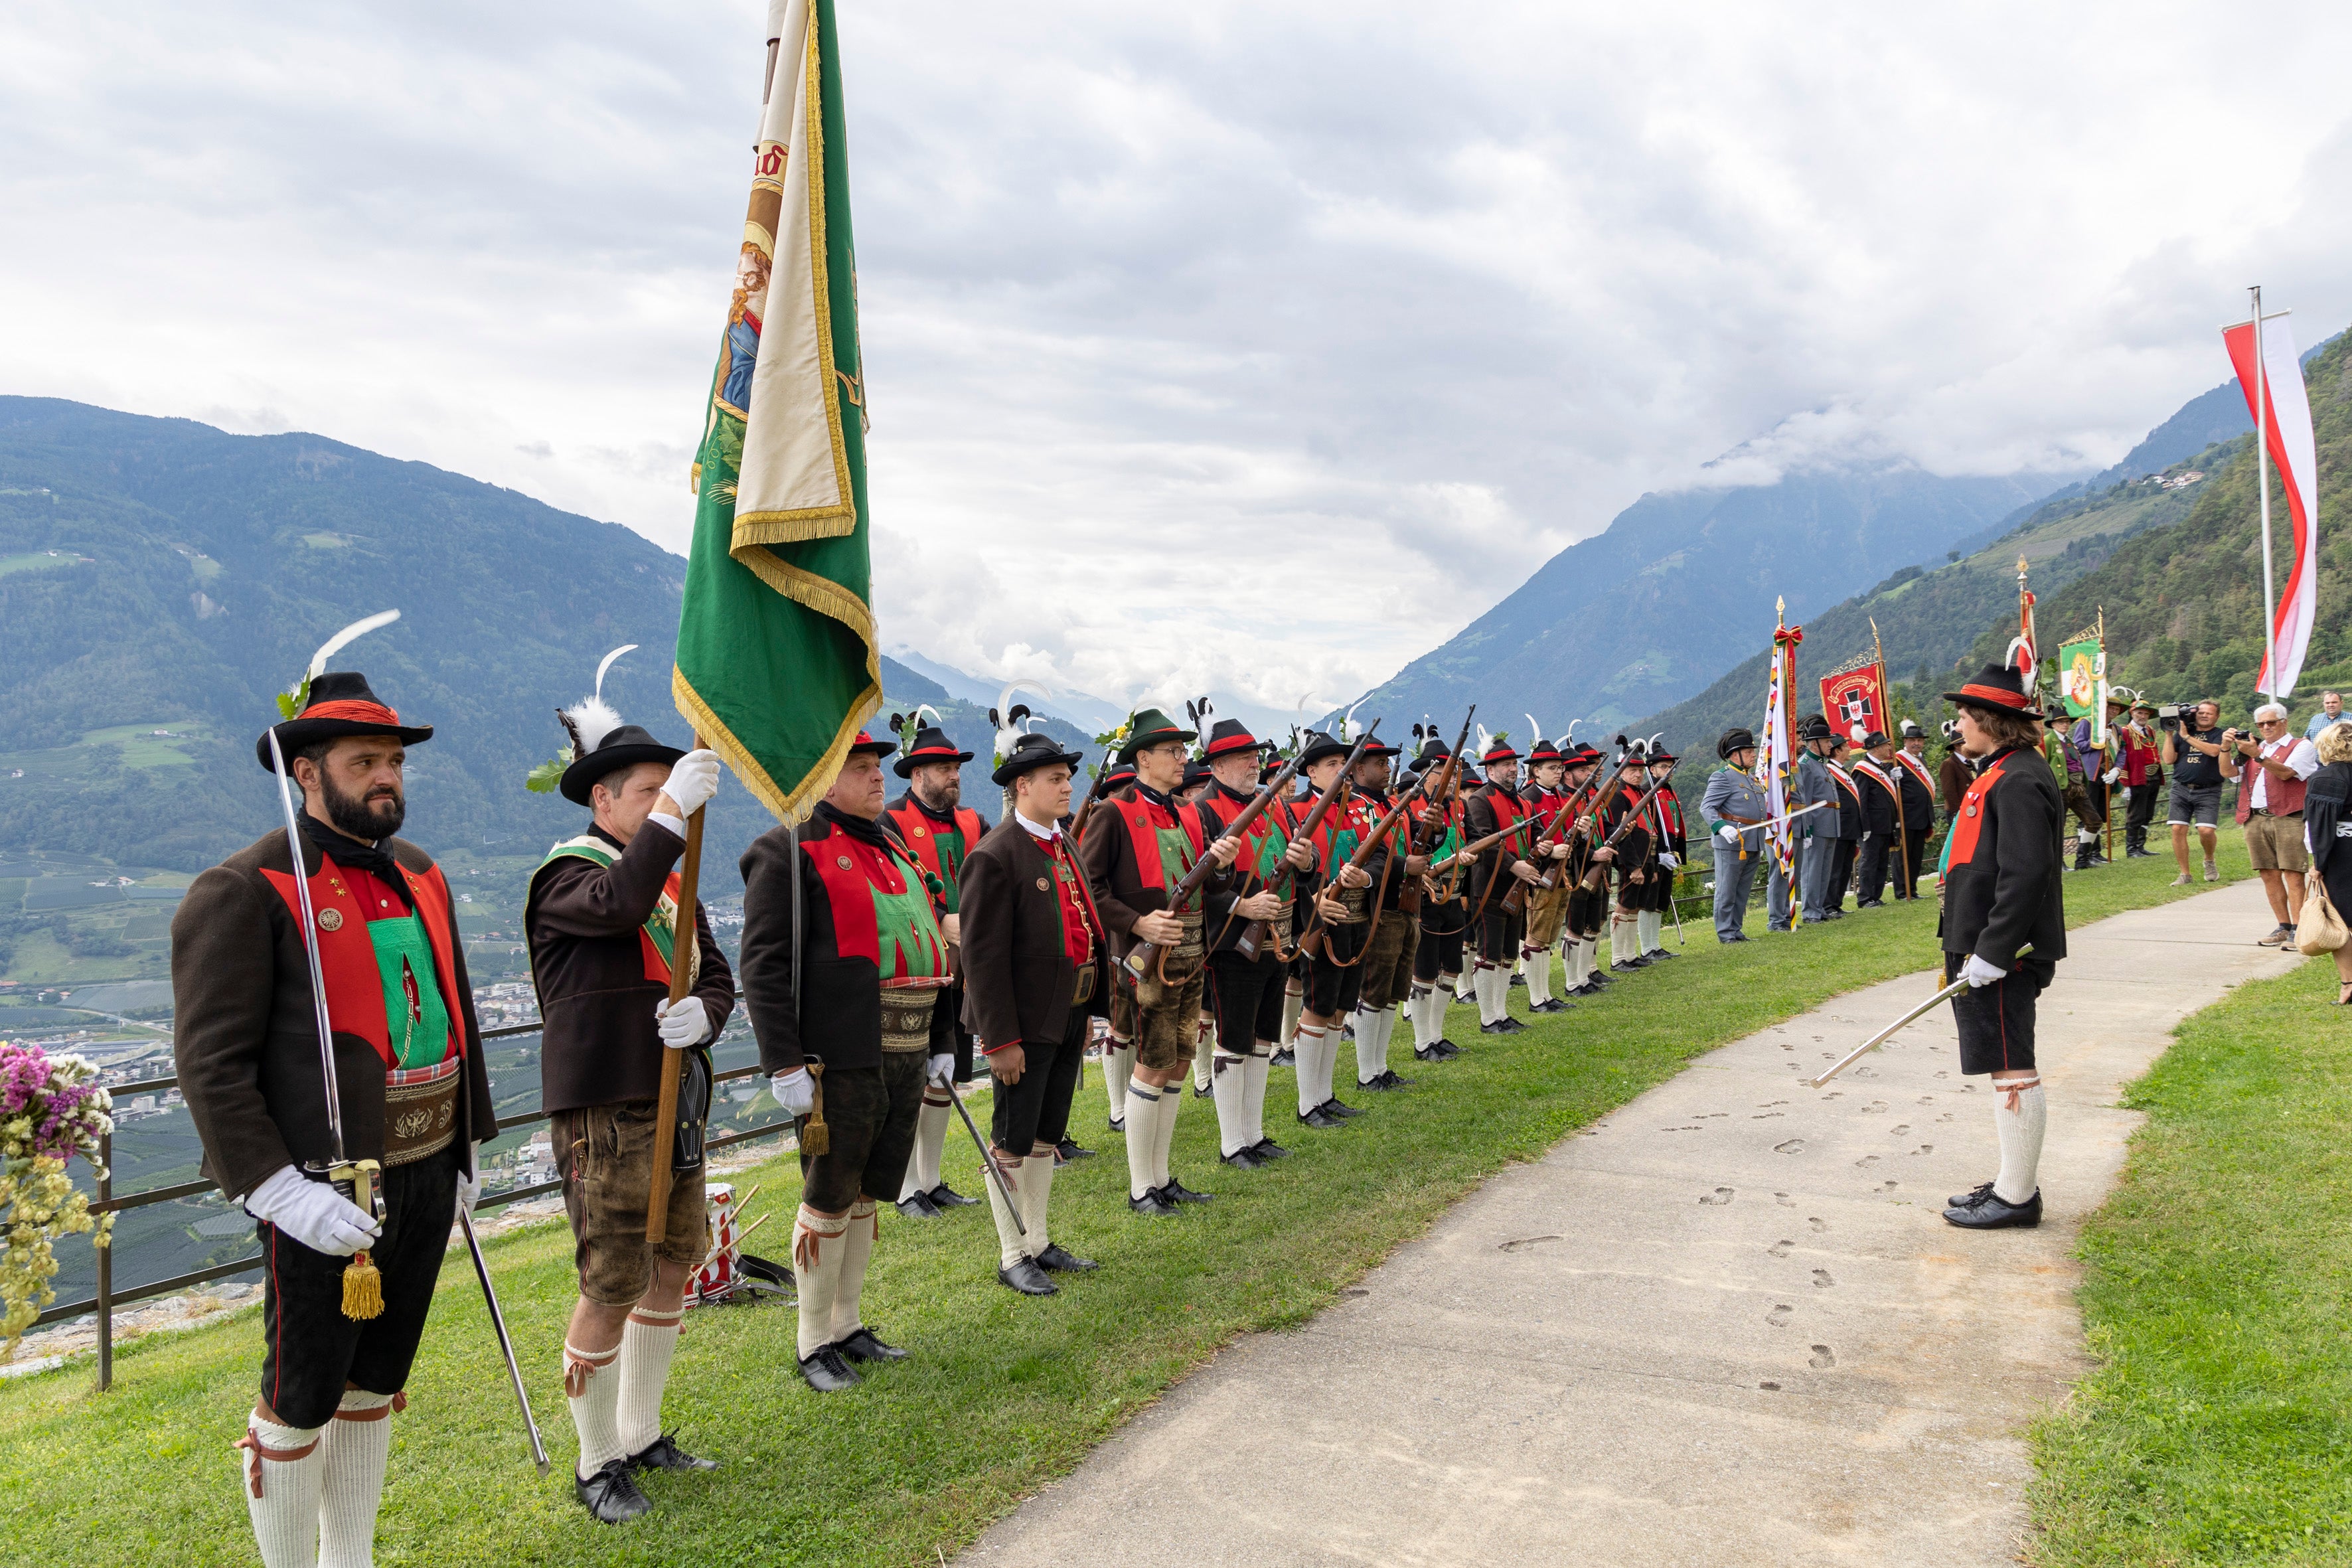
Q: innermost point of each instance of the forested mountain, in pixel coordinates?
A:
(160, 581)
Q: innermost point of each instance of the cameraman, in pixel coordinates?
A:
(2275, 761)
(2193, 749)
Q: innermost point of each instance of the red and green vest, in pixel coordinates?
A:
(1166, 843)
(939, 849)
(390, 971)
(882, 908)
(659, 936)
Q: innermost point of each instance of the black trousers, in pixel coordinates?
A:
(2141, 812)
(1996, 1021)
(1500, 933)
(1438, 953)
(1244, 996)
(1037, 1109)
(1841, 873)
(311, 1352)
(1916, 851)
(870, 1114)
(1872, 864)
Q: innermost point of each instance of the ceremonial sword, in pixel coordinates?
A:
(506, 1345)
(1940, 997)
(1011, 1204)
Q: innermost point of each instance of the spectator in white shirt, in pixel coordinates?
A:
(2271, 767)
(2331, 711)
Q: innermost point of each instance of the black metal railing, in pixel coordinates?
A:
(104, 1200)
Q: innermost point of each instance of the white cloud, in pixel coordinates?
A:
(1230, 345)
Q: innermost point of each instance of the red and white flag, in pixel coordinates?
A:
(2286, 415)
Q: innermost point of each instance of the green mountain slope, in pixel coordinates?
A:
(1928, 621)
(2184, 605)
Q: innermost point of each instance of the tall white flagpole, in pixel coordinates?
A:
(2262, 487)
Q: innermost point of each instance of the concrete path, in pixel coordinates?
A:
(1724, 1326)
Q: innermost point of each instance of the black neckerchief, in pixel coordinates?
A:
(856, 826)
(1166, 803)
(353, 855)
(945, 819)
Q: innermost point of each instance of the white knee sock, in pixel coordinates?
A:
(594, 1388)
(1572, 964)
(281, 1494)
(1653, 931)
(1171, 1100)
(1012, 1247)
(857, 1251)
(1309, 1048)
(2020, 1131)
(1254, 1089)
(817, 1251)
(1204, 1046)
(1229, 1083)
(1466, 985)
(930, 1142)
(1372, 1052)
(1144, 1106)
(1294, 1001)
(1622, 940)
(1035, 1191)
(648, 1341)
(1118, 1065)
(1539, 961)
(352, 1451)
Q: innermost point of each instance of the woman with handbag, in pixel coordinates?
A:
(2327, 833)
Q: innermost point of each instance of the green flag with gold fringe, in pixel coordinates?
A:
(777, 665)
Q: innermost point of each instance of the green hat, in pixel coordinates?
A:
(1149, 727)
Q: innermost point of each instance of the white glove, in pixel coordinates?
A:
(794, 1090)
(1729, 834)
(469, 1181)
(940, 1068)
(693, 781)
(1977, 971)
(2114, 774)
(684, 1023)
(313, 1213)
(1865, 837)
(1669, 861)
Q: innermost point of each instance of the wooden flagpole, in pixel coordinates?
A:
(2099, 726)
(684, 939)
(1886, 695)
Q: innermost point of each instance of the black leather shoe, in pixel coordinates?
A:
(1500, 1026)
(1068, 1149)
(1201, 1093)
(1446, 1050)
(1241, 1160)
(1177, 1192)
(1388, 1080)
(1028, 1278)
(1835, 915)
(864, 1345)
(1734, 936)
(826, 1372)
(1340, 1107)
(1429, 1053)
(1626, 966)
(947, 1197)
(663, 1454)
(918, 1206)
(1149, 1206)
(611, 1494)
(1507, 1025)
(1548, 1004)
(1519, 980)
(1267, 1149)
(1285, 1057)
(1059, 1259)
(1970, 1199)
(1117, 1126)
(1658, 953)
(1318, 1117)
(1871, 904)
(1994, 1213)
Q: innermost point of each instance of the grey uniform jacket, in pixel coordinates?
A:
(1731, 793)
(1814, 784)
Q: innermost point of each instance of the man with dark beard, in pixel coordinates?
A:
(939, 831)
(414, 1101)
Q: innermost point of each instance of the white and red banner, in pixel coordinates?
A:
(2285, 417)
(1854, 701)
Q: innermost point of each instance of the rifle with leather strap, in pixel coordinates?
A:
(1146, 957)
(1597, 794)
(1085, 807)
(1450, 772)
(1317, 935)
(1593, 878)
(1253, 934)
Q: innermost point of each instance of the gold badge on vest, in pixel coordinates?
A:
(330, 920)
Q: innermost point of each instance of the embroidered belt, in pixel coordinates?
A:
(906, 1017)
(420, 1110)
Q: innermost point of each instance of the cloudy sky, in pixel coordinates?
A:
(1234, 344)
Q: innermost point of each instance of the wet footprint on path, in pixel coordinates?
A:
(1822, 1360)
(1778, 1316)
(1814, 1220)
(1822, 1280)
(1864, 1164)
(1778, 1249)
(1784, 1200)
(1720, 1196)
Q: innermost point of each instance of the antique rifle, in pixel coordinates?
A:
(1253, 934)
(1450, 774)
(1146, 956)
(1313, 940)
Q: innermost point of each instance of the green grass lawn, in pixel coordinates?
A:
(2219, 1427)
(1004, 1393)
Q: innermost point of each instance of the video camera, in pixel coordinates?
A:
(2169, 715)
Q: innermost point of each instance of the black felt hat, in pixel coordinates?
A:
(622, 746)
(338, 702)
(1315, 745)
(931, 745)
(1734, 739)
(1227, 736)
(1997, 687)
(1029, 752)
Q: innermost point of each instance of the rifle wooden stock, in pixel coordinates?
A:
(1145, 956)
(1254, 934)
(1632, 816)
(1315, 939)
(1086, 806)
(1450, 772)
(1516, 900)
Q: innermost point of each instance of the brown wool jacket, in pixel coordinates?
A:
(584, 923)
(244, 1035)
(1017, 973)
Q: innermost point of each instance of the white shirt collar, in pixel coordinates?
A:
(1046, 835)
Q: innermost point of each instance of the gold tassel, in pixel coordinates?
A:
(816, 1138)
(362, 1288)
